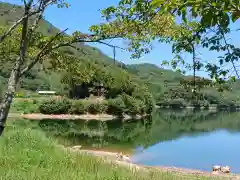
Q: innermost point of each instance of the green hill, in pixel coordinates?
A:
(163, 84)
(167, 89)
(155, 77)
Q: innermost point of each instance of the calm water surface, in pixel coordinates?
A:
(198, 152)
(185, 139)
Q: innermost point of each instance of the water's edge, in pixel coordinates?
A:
(100, 117)
(111, 157)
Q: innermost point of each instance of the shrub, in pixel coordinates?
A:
(146, 99)
(116, 106)
(55, 106)
(148, 102)
(142, 108)
(78, 107)
(177, 103)
(97, 107)
(133, 106)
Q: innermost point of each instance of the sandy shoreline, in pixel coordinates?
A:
(111, 157)
(100, 117)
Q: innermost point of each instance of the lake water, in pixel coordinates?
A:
(187, 139)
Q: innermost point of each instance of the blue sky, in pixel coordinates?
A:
(84, 13)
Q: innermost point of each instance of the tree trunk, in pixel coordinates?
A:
(9, 95)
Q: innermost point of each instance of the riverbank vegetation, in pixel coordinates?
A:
(119, 106)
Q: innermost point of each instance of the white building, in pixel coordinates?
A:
(47, 92)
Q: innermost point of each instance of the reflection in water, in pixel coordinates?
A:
(191, 139)
(114, 135)
(200, 152)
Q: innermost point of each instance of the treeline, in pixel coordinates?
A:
(204, 97)
(120, 106)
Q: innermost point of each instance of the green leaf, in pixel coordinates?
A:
(233, 79)
(214, 4)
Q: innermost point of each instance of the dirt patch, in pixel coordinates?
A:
(100, 117)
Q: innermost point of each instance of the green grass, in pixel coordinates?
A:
(27, 154)
(21, 105)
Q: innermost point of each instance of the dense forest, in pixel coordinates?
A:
(100, 75)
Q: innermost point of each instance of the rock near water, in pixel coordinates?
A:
(122, 157)
(223, 169)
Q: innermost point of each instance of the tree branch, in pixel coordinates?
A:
(15, 25)
(46, 49)
(37, 19)
(229, 52)
(41, 53)
(24, 39)
(89, 40)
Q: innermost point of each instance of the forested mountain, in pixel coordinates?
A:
(163, 84)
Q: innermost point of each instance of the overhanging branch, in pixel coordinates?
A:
(229, 52)
(16, 24)
(46, 49)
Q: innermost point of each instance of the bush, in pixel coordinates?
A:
(97, 107)
(78, 107)
(146, 99)
(133, 106)
(55, 106)
(148, 102)
(142, 108)
(116, 106)
(177, 103)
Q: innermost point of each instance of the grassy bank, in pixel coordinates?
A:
(27, 154)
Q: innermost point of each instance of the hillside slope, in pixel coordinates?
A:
(167, 90)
